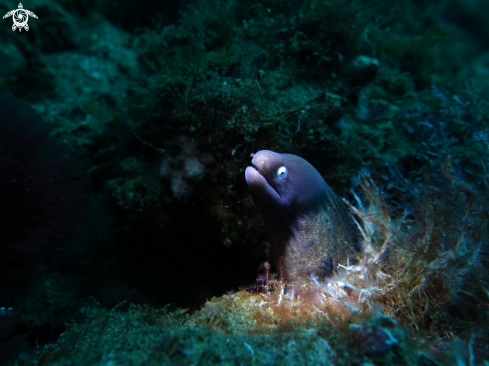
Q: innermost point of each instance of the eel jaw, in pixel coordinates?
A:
(262, 192)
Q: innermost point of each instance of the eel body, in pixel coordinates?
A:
(308, 226)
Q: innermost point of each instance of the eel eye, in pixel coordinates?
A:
(282, 172)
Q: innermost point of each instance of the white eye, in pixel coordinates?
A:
(282, 172)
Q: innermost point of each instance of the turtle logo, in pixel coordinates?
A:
(20, 17)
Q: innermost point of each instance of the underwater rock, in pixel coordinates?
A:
(362, 70)
(39, 209)
(184, 171)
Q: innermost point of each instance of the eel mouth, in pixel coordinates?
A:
(258, 178)
(262, 172)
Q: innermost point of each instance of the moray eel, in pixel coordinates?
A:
(308, 226)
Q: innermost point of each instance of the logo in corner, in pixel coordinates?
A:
(20, 17)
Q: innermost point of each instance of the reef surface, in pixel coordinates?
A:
(162, 105)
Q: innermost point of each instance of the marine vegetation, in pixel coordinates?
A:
(414, 294)
(385, 99)
(422, 261)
